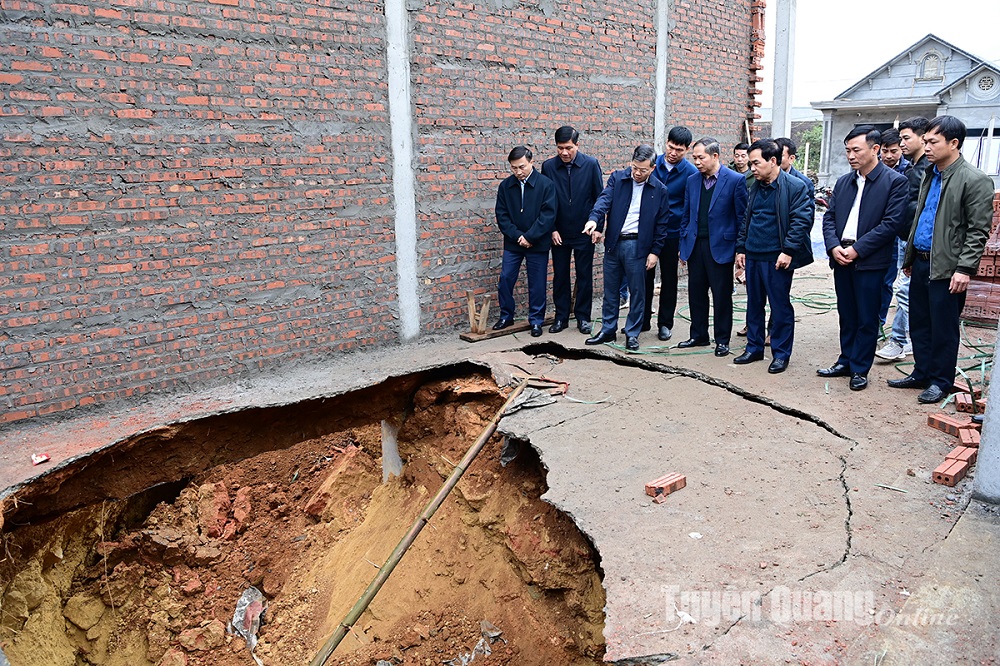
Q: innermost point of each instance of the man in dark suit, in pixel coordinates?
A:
(526, 215)
(714, 205)
(773, 242)
(578, 181)
(636, 206)
(672, 170)
(860, 228)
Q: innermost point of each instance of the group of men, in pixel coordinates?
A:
(909, 203)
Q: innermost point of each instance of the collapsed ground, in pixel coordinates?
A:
(154, 579)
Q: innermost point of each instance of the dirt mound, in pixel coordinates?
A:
(154, 579)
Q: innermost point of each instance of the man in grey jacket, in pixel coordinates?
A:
(953, 215)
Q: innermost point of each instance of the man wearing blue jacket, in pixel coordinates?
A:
(636, 206)
(672, 170)
(714, 206)
(578, 181)
(865, 215)
(526, 215)
(773, 242)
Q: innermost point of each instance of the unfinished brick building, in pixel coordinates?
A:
(195, 191)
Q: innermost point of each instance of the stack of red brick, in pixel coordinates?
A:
(956, 464)
(982, 304)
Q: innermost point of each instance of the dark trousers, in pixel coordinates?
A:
(859, 296)
(766, 284)
(668, 287)
(934, 326)
(704, 275)
(890, 279)
(621, 264)
(537, 268)
(562, 290)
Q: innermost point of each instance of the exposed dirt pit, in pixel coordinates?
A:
(154, 577)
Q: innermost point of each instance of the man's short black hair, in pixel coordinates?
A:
(643, 153)
(949, 127)
(742, 145)
(916, 124)
(680, 136)
(785, 142)
(872, 136)
(769, 149)
(890, 137)
(518, 152)
(567, 133)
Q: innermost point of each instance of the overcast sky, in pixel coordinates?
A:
(837, 42)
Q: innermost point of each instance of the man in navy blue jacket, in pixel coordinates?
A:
(526, 215)
(773, 242)
(865, 215)
(673, 171)
(714, 207)
(578, 181)
(636, 205)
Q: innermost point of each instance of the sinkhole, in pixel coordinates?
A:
(137, 554)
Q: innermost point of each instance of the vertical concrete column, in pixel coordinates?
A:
(827, 148)
(784, 54)
(403, 177)
(987, 483)
(663, 10)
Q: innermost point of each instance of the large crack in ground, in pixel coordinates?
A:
(558, 353)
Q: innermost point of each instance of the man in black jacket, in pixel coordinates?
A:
(773, 242)
(578, 181)
(860, 229)
(526, 215)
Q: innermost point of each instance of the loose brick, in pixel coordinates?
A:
(969, 437)
(963, 403)
(962, 387)
(964, 454)
(950, 472)
(944, 423)
(666, 484)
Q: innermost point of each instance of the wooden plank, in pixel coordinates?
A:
(472, 310)
(484, 317)
(516, 327)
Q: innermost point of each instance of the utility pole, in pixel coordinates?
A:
(784, 54)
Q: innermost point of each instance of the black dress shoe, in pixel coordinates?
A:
(859, 382)
(721, 350)
(742, 332)
(536, 330)
(932, 393)
(908, 381)
(747, 357)
(777, 365)
(664, 333)
(835, 370)
(601, 338)
(691, 342)
(558, 325)
(632, 344)
(584, 327)
(646, 327)
(502, 323)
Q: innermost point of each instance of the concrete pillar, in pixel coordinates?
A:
(987, 483)
(784, 55)
(403, 176)
(827, 149)
(663, 10)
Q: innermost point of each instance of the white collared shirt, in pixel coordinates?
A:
(631, 225)
(851, 226)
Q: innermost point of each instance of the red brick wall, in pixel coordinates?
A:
(201, 190)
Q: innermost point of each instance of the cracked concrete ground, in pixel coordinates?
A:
(800, 557)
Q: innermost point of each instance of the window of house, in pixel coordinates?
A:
(983, 151)
(930, 67)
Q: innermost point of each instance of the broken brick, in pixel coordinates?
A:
(963, 453)
(950, 472)
(666, 484)
(963, 403)
(969, 437)
(962, 387)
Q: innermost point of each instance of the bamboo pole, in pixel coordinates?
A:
(397, 554)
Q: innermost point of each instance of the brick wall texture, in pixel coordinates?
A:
(196, 191)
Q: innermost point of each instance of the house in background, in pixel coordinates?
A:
(930, 78)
